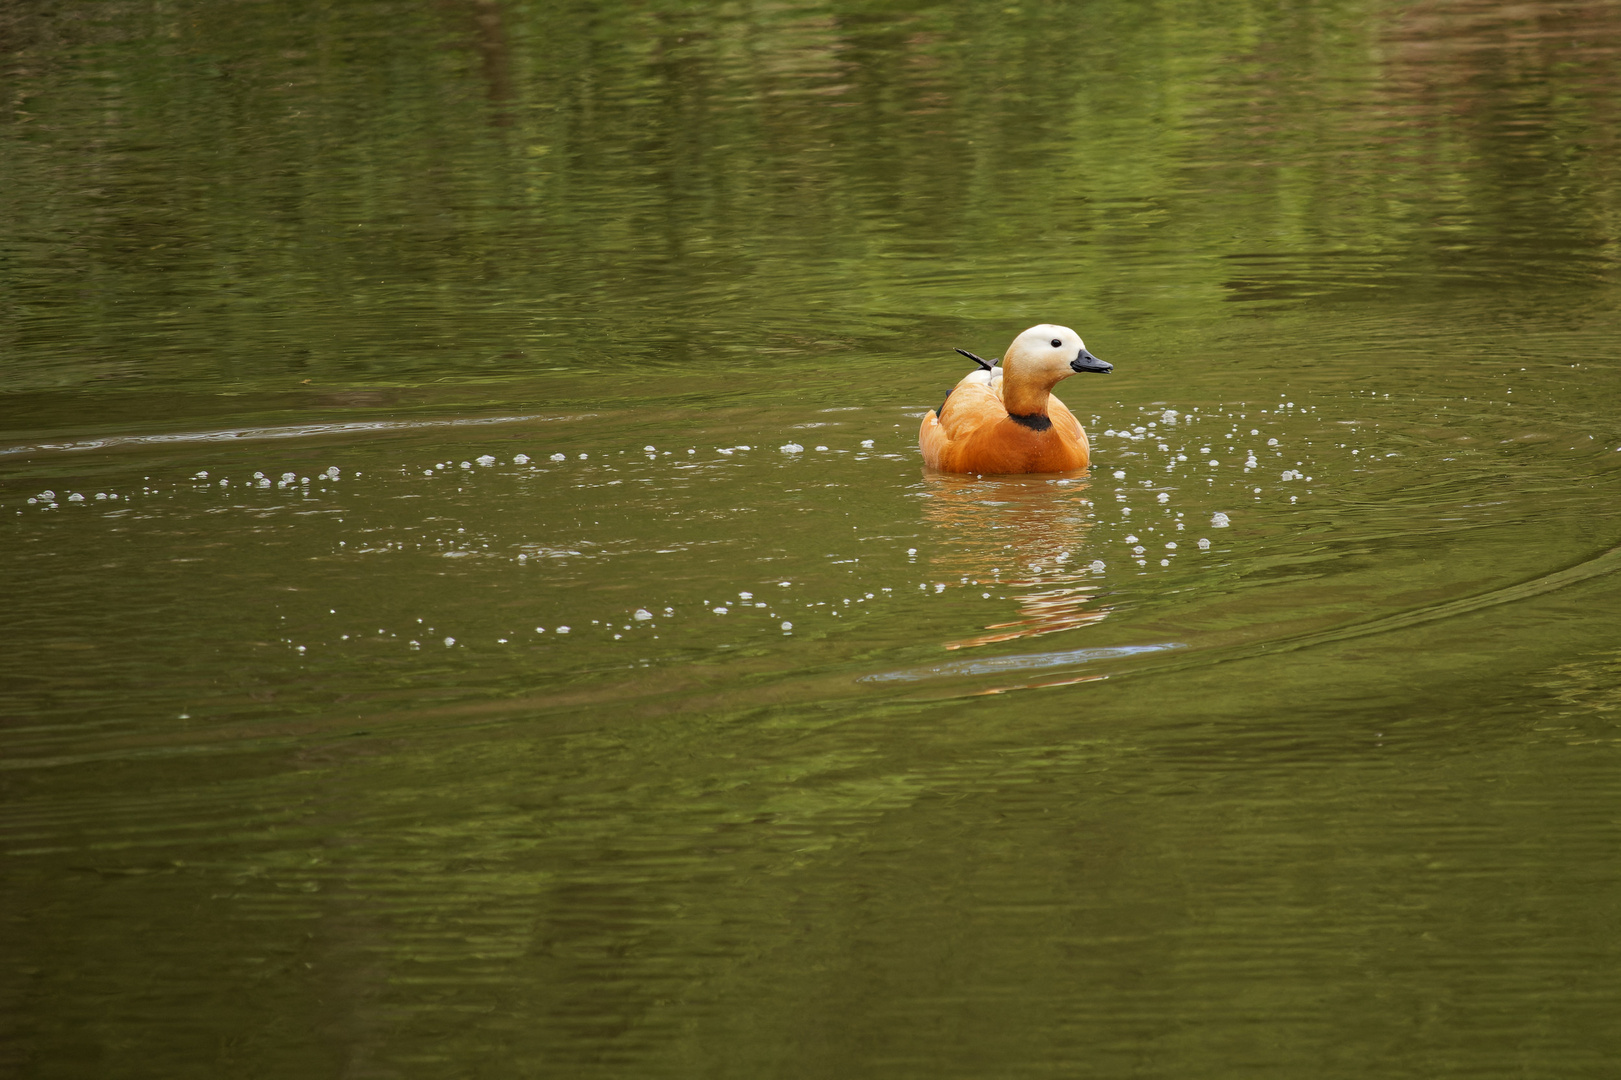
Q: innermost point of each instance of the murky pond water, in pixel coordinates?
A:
(474, 605)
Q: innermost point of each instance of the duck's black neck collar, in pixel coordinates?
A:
(1035, 421)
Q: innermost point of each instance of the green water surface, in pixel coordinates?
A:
(473, 605)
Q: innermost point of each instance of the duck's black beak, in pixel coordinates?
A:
(1087, 362)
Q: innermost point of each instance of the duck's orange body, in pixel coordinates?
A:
(976, 435)
(1007, 420)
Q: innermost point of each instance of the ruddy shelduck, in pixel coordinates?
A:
(1005, 419)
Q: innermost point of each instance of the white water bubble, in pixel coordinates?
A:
(821, 448)
(1204, 544)
(786, 625)
(1213, 461)
(203, 475)
(1110, 433)
(642, 614)
(304, 480)
(743, 448)
(449, 641)
(75, 497)
(1120, 474)
(1169, 416)
(718, 610)
(288, 477)
(562, 629)
(651, 449)
(1138, 550)
(32, 500)
(559, 457)
(940, 588)
(866, 444)
(101, 495)
(1097, 566)
(1163, 497)
(467, 464)
(1131, 539)
(792, 448)
(540, 629)
(520, 459)
(911, 551)
(264, 481)
(727, 450)
(1219, 520)
(485, 460)
(584, 457)
(332, 472)
(746, 595)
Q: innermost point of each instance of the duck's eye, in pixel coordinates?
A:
(1057, 344)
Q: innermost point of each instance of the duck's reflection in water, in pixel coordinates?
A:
(1025, 534)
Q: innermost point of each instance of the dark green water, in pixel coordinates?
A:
(972, 777)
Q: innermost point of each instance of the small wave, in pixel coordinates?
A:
(291, 431)
(992, 665)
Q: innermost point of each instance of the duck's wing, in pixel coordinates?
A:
(975, 401)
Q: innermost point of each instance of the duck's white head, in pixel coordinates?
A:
(1048, 353)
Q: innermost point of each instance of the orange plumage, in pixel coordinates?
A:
(1007, 420)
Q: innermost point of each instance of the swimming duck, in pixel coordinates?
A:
(1005, 419)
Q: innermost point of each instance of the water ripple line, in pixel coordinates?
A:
(993, 665)
(291, 431)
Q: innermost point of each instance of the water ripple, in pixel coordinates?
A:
(290, 431)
